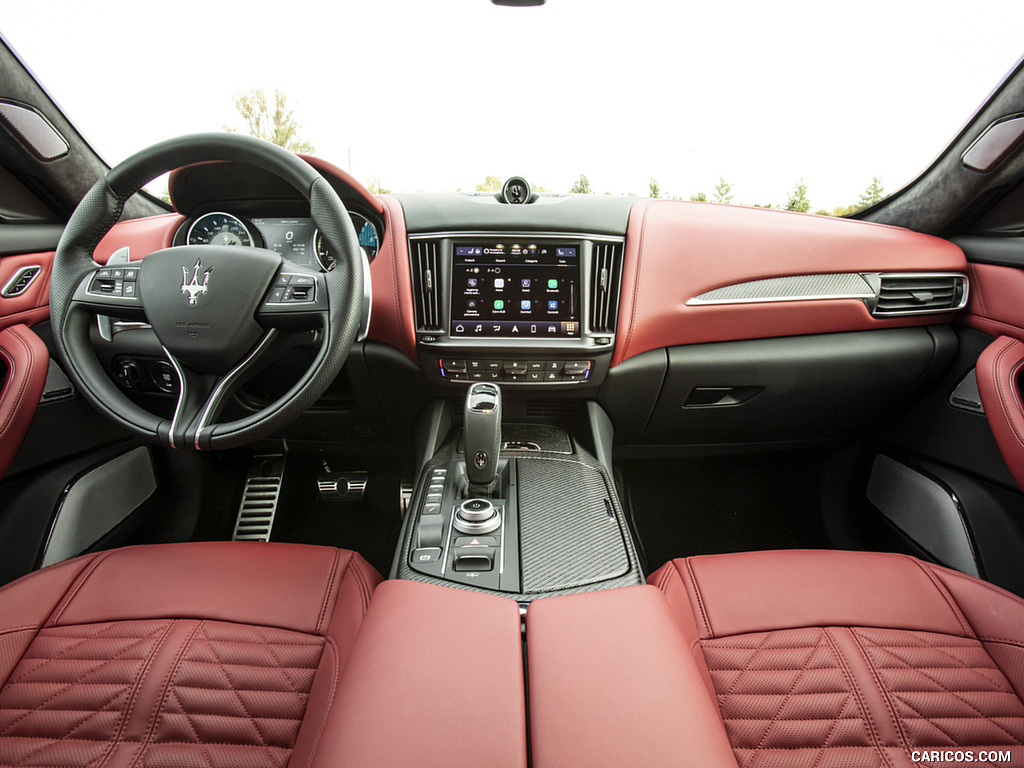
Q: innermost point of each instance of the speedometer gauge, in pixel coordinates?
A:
(365, 232)
(219, 229)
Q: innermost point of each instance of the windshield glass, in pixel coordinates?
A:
(803, 104)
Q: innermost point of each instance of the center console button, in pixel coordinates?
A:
(492, 365)
(534, 365)
(476, 541)
(515, 366)
(476, 509)
(475, 562)
(553, 365)
(426, 555)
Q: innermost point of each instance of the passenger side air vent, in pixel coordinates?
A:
(426, 279)
(912, 294)
(604, 287)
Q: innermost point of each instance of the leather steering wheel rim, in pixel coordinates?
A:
(101, 208)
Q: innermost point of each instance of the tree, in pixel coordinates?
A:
(267, 116)
(798, 200)
(873, 194)
(491, 184)
(653, 189)
(700, 197)
(537, 188)
(581, 186)
(376, 189)
(723, 192)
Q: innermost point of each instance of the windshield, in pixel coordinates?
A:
(744, 102)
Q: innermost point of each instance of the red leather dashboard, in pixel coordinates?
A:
(676, 251)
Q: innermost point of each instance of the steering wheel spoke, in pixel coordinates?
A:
(202, 396)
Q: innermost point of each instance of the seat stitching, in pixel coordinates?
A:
(955, 694)
(696, 591)
(855, 687)
(330, 696)
(133, 697)
(71, 683)
(161, 698)
(50, 742)
(941, 588)
(238, 695)
(746, 667)
(320, 624)
(75, 587)
(280, 666)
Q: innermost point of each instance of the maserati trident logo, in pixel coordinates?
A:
(191, 285)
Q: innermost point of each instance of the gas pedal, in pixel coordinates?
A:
(341, 486)
(260, 497)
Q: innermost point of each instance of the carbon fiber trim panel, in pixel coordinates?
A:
(795, 288)
(561, 489)
(567, 540)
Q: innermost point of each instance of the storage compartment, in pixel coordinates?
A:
(799, 388)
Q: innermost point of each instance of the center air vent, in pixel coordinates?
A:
(426, 278)
(604, 288)
(911, 294)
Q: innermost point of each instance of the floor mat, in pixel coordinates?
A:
(692, 506)
(371, 526)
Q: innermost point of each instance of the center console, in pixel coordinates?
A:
(524, 509)
(521, 509)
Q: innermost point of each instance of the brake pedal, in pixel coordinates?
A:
(341, 486)
(260, 497)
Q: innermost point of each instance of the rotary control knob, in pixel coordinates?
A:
(476, 516)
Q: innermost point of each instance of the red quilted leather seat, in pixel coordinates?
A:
(209, 654)
(852, 659)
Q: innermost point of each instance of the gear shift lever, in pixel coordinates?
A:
(482, 435)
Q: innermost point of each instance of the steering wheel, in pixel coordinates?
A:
(216, 309)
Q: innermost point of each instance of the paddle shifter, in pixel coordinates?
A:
(482, 436)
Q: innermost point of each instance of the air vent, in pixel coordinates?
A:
(604, 287)
(913, 294)
(426, 274)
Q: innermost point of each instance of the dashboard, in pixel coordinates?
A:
(669, 314)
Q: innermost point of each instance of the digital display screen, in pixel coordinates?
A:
(515, 290)
(292, 238)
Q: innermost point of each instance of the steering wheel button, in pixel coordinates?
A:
(129, 289)
(282, 280)
(276, 296)
(104, 274)
(131, 273)
(305, 280)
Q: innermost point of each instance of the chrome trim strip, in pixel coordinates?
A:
(232, 376)
(182, 391)
(364, 321)
(6, 292)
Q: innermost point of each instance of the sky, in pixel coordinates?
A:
(438, 94)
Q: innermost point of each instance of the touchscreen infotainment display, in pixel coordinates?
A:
(516, 290)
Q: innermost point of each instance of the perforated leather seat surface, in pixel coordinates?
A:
(852, 659)
(208, 654)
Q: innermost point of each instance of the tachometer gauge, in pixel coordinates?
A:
(365, 232)
(219, 229)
